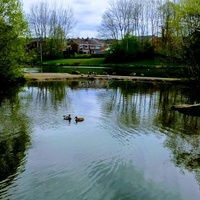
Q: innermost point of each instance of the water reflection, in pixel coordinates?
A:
(132, 100)
(14, 136)
(50, 91)
(135, 185)
(129, 146)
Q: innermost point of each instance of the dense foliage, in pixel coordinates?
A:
(13, 32)
(130, 49)
(174, 24)
(188, 14)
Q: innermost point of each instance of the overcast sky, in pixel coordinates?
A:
(88, 14)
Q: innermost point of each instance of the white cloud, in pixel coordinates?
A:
(88, 13)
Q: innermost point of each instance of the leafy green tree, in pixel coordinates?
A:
(57, 38)
(13, 32)
(188, 28)
(56, 43)
(130, 49)
(168, 34)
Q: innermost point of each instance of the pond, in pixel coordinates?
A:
(131, 145)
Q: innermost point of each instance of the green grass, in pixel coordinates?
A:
(87, 60)
(99, 62)
(152, 62)
(74, 61)
(146, 67)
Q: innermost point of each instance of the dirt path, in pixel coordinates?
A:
(66, 76)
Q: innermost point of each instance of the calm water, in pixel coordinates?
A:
(130, 146)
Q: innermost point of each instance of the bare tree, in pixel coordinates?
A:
(38, 22)
(121, 18)
(63, 17)
(153, 17)
(51, 24)
(136, 17)
(108, 28)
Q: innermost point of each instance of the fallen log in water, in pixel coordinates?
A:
(193, 110)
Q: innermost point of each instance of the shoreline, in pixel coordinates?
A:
(38, 77)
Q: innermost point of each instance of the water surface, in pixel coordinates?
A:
(131, 145)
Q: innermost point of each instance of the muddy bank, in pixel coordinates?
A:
(65, 76)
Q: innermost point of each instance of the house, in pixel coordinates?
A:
(87, 45)
(34, 43)
(37, 45)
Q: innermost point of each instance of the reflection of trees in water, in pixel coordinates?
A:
(123, 107)
(184, 131)
(186, 151)
(170, 95)
(14, 136)
(175, 94)
(9, 94)
(120, 104)
(130, 101)
(12, 153)
(50, 92)
(191, 94)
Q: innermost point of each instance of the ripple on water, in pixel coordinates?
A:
(99, 176)
(122, 134)
(7, 184)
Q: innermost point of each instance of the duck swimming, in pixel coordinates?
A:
(79, 119)
(67, 117)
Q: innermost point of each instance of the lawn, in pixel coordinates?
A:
(76, 62)
(99, 62)
(145, 67)
(153, 62)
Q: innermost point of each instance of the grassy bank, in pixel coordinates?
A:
(146, 68)
(76, 62)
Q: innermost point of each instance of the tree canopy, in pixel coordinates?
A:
(175, 24)
(13, 34)
(130, 49)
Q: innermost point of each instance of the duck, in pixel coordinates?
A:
(67, 117)
(79, 119)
